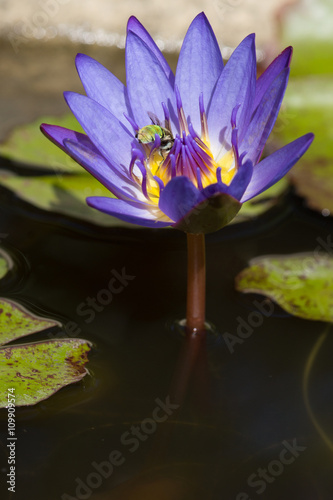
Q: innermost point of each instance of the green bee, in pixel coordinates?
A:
(146, 135)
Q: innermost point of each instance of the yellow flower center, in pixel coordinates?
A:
(189, 157)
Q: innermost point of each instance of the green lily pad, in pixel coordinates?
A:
(308, 27)
(309, 108)
(6, 264)
(262, 203)
(302, 284)
(36, 371)
(16, 321)
(65, 194)
(3, 267)
(28, 146)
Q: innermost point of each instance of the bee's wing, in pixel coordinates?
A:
(154, 119)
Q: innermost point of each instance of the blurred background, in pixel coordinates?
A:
(40, 38)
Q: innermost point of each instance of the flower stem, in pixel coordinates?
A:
(196, 283)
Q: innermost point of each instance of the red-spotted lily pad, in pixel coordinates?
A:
(16, 322)
(37, 370)
(302, 284)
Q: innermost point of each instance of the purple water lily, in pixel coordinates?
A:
(179, 150)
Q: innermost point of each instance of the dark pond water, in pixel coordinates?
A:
(241, 428)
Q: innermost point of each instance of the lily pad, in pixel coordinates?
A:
(6, 264)
(3, 267)
(36, 371)
(309, 108)
(65, 194)
(16, 321)
(262, 203)
(302, 284)
(28, 146)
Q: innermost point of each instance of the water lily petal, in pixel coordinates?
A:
(82, 150)
(147, 83)
(110, 137)
(127, 211)
(58, 135)
(236, 85)
(103, 87)
(199, 67)
(274, 167)
(120, 185)
(179, 197)
(136, 27)
(265, 80)
(264, 118)
(241, 180)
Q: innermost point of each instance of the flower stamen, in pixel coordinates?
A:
(173, 166)
(234, 115)
(197, 139)
(136, 155)
(189, 155)
(234, 142)
(167, 123)
(144, 179)
(181, 115)
(160, 183)
(203, 119)
(132, 122)
(234, 135)
(219, 175)
(199, 180)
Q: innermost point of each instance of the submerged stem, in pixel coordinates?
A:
(196, 283)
